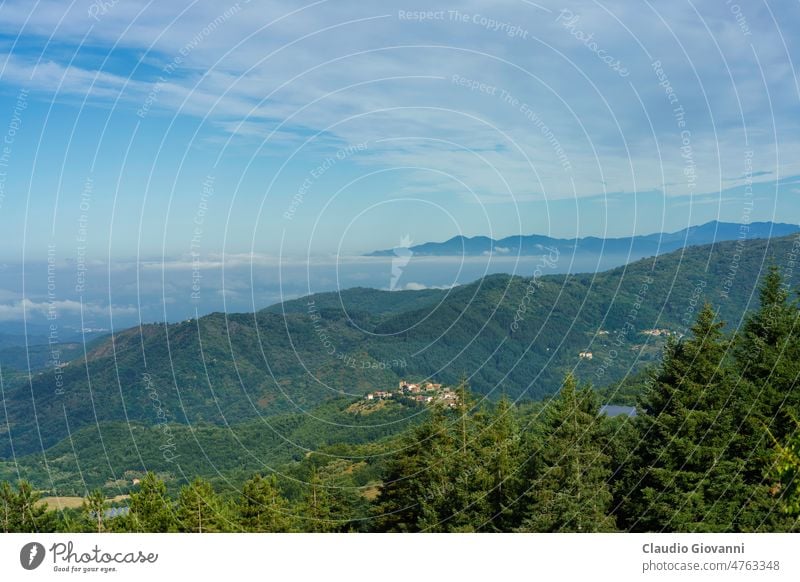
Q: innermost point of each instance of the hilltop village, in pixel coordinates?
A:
(421, 393)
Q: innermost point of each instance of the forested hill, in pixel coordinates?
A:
(633, 246)
(512, 335)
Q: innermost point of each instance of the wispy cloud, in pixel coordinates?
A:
(27, 308)
(465, 110)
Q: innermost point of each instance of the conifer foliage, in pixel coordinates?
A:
(571, 492)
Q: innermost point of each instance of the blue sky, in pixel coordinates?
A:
(344, 126)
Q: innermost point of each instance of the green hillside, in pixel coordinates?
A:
(111, 454)
(508, 334)
(716, 422)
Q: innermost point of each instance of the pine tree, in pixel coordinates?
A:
(199, 509)
(7, 502)
(417, 481)
(71, 521)
(767, 352)
(94, 507)
(463, 505)
(150, 508)
(786, 471)
(502, 457)
(571, 493)
(441, 476)
(688, 478)
(27, 510)
(318, 506)
(620, 439)
(22, 510)
(262, 508)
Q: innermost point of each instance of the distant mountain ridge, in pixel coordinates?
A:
(636, 246)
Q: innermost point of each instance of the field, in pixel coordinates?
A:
(72, 502)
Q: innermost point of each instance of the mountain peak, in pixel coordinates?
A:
(637, 246)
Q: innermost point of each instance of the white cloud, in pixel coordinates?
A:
(347, 70)
(27, 308)
(414, 287)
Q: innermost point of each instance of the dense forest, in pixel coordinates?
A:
(714, 447)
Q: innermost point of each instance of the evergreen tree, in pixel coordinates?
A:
(571, 493)
(262, 508)
(502, 458)
(22, 510)
(688, 478)
(7, 505)
(150, 508)
(70, 521)
(463, 505)
(621, 438)
(28, 513)
(317, 508)
(445, 471)
(417, 482)
(199, 509)
(767, 352)
(94, 507)
(786, 472)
